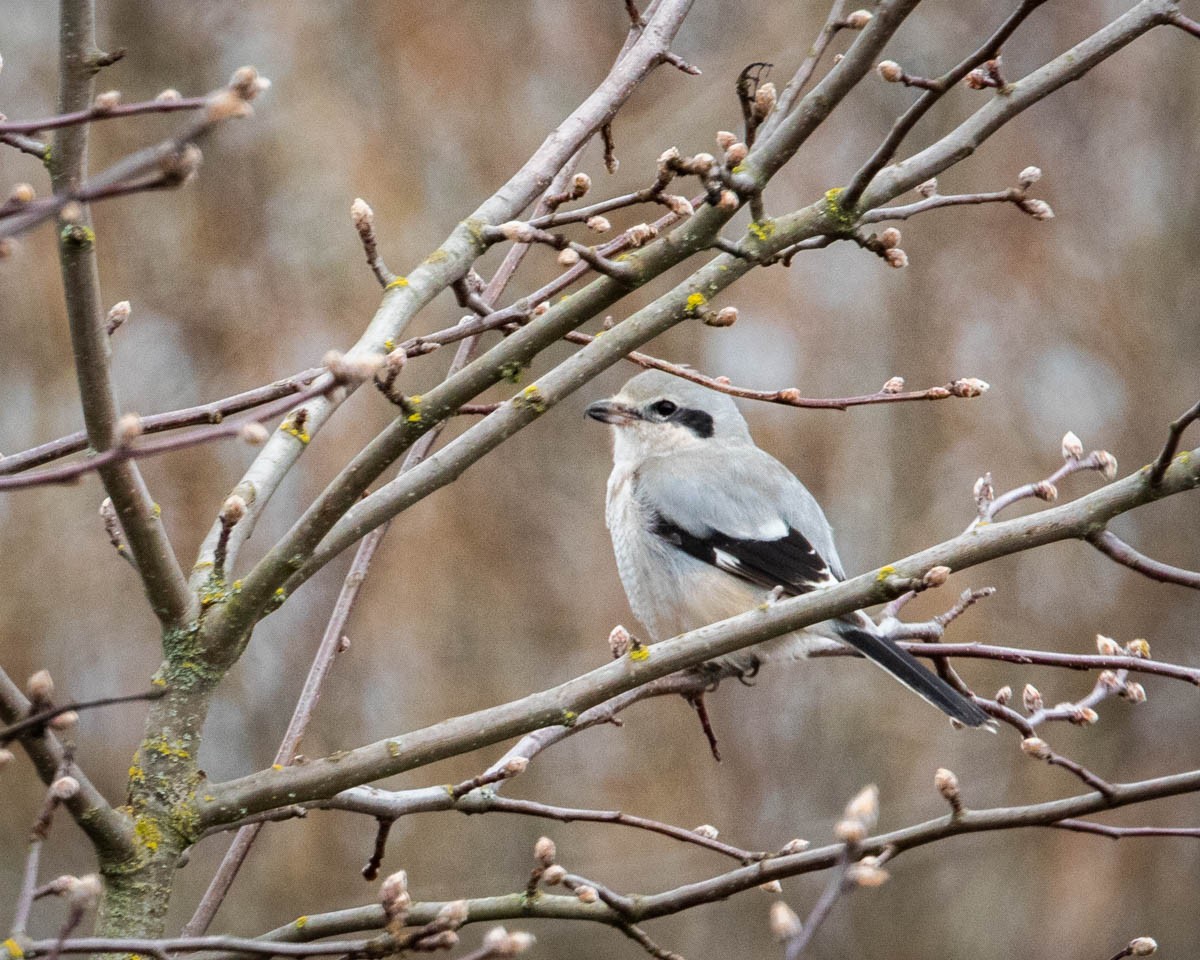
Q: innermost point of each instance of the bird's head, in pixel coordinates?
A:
(656, 414)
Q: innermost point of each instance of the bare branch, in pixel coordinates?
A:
(1174, 432)
(1113, 546)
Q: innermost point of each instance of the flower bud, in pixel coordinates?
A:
(40, 687)
(859, 19)
(586, 894)
(394, 895)
(1032, 698)
(794, 846)
(783, 922)
(1045, 490)
(1107, 646)
(6, 757)
(129, 428)
(554, 875)
(454, 914)
(568, 258)
(1138, 648)
(771, 886)
(1038, 209)
(706, 830)
(1084, 717)
(501, 943)
(896, 257)
(1106, 463)
(170, 95)
(516, 766)
(725, 317)
(641, 233)
(970, 387)
(928, 188)
(598, 224)
(893, 385)
(517, 231)
(977, 79)
(22, 193)
(106, 101)
(83, 892)
(361, 213)
(947, 785)
(64, 788)
(867, 873)
(1036, 747)
(619, 642)
(1142, 946)
(117, 315)
(254, 433)
(233, 509)
(736, 154)
(1004, 695)
(728, 200)
(725, 139)
(1072, 446)
(890, 71)
(935, 576)
(680, 206)
(544, 851)
(1134, 692)
(581, 183)
(889, 238)
(67, 720)
(764, 100)
(865, 806)
(1029, 176)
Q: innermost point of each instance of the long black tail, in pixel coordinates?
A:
(905, 668)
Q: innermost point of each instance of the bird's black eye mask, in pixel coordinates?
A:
(667, 411)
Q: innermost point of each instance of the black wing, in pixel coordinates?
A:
(793, 563)
(790, 561)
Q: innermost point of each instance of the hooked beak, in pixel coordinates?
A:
(610, 411)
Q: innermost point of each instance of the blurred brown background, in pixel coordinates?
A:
(504, 582)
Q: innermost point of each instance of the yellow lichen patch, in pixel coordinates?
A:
(884, 573)
(14, 949)
(158, 682)
(155, 510)
(300, 923)
(437, 256)
(147, 833)
(277, 766)
(398, 282)
(389, 344)
(695, 301)
(764, 230)
(163, 747)
(289, 427)
(640, 653)
(137, 774)
(393, 748)
(532, 398)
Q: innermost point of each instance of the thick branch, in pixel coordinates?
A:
(561, 704)
(140, 518)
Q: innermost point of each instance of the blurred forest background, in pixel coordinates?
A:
(504, 582)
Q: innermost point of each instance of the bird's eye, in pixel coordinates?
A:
(664, 408)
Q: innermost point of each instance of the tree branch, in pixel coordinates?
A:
(140, 518)
(562, 704)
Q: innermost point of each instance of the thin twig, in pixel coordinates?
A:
(212, 412)
(1117, 549)
(1043, 658)
(1118, 833)
(37, 722)
(882, 155)
(69, 473)
(93, 113)
(791, 396)
(1174, 432)
(787, 98)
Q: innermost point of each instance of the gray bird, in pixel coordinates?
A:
(705, 525)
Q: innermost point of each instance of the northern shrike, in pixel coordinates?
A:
(705, 525)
